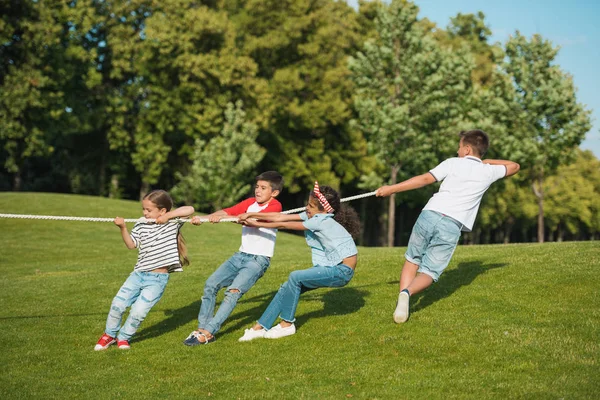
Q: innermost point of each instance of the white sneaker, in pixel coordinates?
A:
(401, 312)
(278, 331)
(251, 334)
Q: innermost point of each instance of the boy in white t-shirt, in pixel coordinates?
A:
(241, 271)
(451, 210)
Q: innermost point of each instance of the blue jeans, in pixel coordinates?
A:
(141, 291)
(432, 242)
(240, 271)
(286, 300)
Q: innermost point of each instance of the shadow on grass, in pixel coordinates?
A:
(451, 281)
(339, 301)
(183, 316)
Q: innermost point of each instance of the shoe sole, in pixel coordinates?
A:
(104, 347)
(401, 313)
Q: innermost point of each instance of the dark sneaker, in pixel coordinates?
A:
(195, 338)
(104, 342)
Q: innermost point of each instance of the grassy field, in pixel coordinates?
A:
(504, 321)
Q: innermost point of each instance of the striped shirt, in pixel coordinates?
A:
(157, 245)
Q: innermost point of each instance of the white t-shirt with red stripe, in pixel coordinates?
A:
(258, 241)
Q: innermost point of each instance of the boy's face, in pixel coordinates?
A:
(263, 192)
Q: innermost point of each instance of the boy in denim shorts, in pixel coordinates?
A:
(449, 212)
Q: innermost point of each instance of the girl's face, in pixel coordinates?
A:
(312, 207)
(151, 211)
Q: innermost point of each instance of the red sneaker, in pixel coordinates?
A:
(123, 344)
(104, 342)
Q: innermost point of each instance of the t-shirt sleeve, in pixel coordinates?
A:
(314, 223)
(240, 207)
(498, 172)
(303, 216)
(135, 234)
(441, 171)
(273, 206)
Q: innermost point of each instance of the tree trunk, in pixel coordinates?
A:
(113, 192)
(560, 234)
(392, 208)
(17, 181)
(144, 189)
(538, 190)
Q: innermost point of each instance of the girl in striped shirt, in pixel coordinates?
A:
(161, 251)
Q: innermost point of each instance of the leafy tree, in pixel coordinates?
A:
(411, 95)
(573, 197)
(553, 122)
(222, 166)
(301, 49)
(471, 29)
(35, 67)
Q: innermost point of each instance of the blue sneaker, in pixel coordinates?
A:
(195, 338)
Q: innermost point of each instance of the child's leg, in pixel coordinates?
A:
(222, 277)
(413, 282)
(127, 294)
(308, 279)
(153, 287)
(253, 269)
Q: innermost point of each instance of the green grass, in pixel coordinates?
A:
(504, 321)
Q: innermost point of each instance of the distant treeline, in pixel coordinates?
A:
(197, 97)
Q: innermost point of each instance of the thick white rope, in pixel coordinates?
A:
(90, 219)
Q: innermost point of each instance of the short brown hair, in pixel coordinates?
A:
(273, 177)
(477, 139)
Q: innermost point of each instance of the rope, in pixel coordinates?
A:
(90, 219)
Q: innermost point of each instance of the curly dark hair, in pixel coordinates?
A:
(343, 214)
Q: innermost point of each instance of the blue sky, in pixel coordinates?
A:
(572, 25)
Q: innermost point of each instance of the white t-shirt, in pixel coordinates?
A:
(465, 180)
(258, 241)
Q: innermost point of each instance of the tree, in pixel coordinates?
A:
(411, 95)
(552, 123)
(35, 67)
(301, 49)
(573, 197)
(222, 166)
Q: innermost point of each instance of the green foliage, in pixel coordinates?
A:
(472, 30)
(222, 167)
(410, 93)
(573, 196)
(301, 48)
(554, 123)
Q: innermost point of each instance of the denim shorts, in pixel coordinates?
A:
(432, 242)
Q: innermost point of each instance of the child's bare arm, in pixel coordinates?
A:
(511, 166)
(217, 216)
(120, 222)
(272, 216)
(184, 211)
(292, 225)
(413, 183)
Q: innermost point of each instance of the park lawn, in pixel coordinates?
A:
(504, 321)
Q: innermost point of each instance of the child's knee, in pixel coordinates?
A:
(233, 295)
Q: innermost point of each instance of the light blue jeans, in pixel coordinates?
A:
(432, 242)
(286, 300)
(240, 271)
(141, 291)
